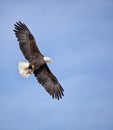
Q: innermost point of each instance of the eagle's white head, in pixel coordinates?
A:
(48, 59)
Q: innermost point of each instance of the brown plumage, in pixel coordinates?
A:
(31, 52)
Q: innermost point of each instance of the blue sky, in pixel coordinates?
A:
(78, 35)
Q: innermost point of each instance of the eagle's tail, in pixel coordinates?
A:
(24, 70)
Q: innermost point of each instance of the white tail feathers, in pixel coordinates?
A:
(24, 70)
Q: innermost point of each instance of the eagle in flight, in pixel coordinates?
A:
(36, 62)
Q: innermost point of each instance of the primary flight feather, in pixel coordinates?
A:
(36, 62)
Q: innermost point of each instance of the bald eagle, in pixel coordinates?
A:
(36, 62)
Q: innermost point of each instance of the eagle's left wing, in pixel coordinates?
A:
(49, 81)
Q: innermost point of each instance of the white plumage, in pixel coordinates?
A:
(24, 70)
(48, 59)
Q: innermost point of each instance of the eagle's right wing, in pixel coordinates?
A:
(26, 41)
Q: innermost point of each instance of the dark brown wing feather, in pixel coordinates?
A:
(26, 41)
(49, 81)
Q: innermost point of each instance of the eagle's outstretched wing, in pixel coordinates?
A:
(26, 41)
(32, 53)
(49, 81)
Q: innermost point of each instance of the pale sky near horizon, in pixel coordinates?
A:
(78, 36)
